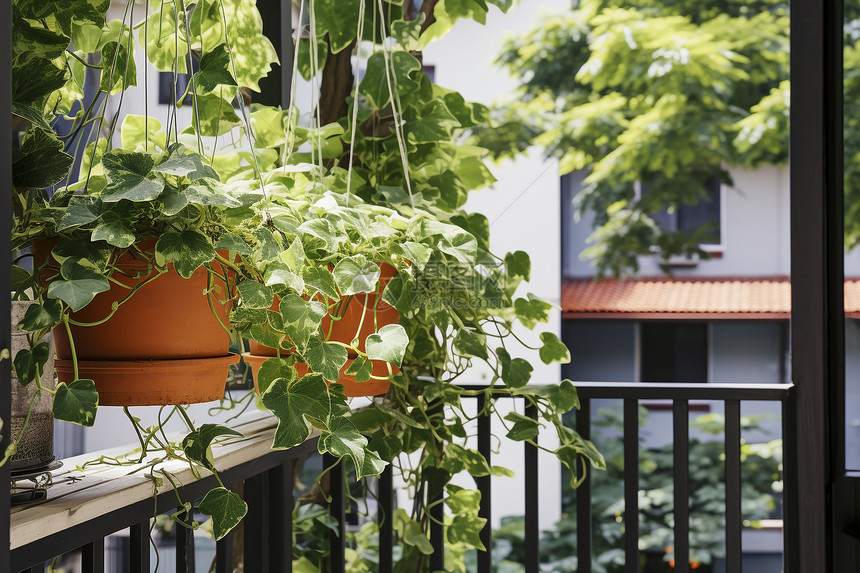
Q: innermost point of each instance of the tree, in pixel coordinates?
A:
(668, 93)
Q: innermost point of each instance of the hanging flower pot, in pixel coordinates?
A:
(151, 332)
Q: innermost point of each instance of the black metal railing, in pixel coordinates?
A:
(268, 483)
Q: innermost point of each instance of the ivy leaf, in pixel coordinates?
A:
(524, 428)
(325, 357)
(127, 172)
(361, 368)
(356, 274)
(255, 295)
(82, 210)
(553, 349)
(216, 114)
(208, 191)
(343, 440)
(30, 41)
(470, 343)
(119, 70)
(410, 532)
(322, 280)
(293, 404)
(279, 274)
(35, 79)
(42, 316)
(197, 443)
(416, 253)
(373, 464)
(305, 64)
(388, 344)
(467, 529)
(76, 402)
(114, 231)
(516, 372)
(338, 19)
(531, 311)
(80, 283)
(214, 69)
(302, 318)
(30, 363)
(462, 501)
(226, 509)
(40, 162)
(275, 368)
(518, 264)
(178, 164)
(187, 250)
(562, 398)
(234, 243)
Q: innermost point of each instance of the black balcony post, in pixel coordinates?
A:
(337, 509)
(813, 457)
(583, 495)
(385, 520)
(681, 473)
(631, 485)
(484, 483)
(138, 554)
(532, 499)
(5, 263)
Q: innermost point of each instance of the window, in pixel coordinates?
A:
(689, 218)
(165, 85)
(673, 352)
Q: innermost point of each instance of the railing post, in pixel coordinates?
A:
(257, 523)
(532, 500)
(484, 483)
(733, 486)
(93, 557)
(681, 471)
(337, 509)
(138, 554)
(583, 495)
(385, 520)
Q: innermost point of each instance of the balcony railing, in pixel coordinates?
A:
(84, 507)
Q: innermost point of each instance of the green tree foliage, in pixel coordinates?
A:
(670, 93)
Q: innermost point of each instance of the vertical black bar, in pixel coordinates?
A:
(817, 320)
(733, 486)
(184, 548)
(384, 519)
(281, 518)
(681, 470)
(224, 554)
(5, 263)
(138, 539)
(631, 485)
(287, 52)
(532, 500)
(583, 496)
(484, 483)
(256, 540)
(337, 491)
(435, 499)
(93, 557)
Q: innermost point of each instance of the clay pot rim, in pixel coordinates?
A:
(149, 365)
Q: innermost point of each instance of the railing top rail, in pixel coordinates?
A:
(676, 391)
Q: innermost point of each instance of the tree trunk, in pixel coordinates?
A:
(337, 80)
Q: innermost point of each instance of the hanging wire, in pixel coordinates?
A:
(359, 36)
(316, 82)
(290, 134)
(190, 70)
(396, 108)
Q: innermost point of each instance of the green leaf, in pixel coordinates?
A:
(76, 402)
(30, 41)
(80, 283)
(36, 79)
(339, 19)
(462, 501)
(467, 529)
(30, 364)
(388, 344)
(82, 210)
(293, 404)
(562, 398)
(196, 444)
(516, 373)
(187, 250)
(214, 69)
(361, 368)
(231, 242)
(279, 274)
(410, 532)
(127, 172)
(216, 114)
(275, 368)
(343, 440)
(255, 295)
(415, 253)
(119, 70)
(137, 129)
(531, 311)
(524, 428)
(470, 343)
(374, 84)
(518, 264)
(42, 316)
(553, 349)
(305, 64)
(356, 274)
(325, 357)
(207, 191)
(322, 280)
(302, 318)
(226, 509)
(40, 162)
(114, 231)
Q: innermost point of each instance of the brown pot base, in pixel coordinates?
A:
(351, 388)
(152, 382)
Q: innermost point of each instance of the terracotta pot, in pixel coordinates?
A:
(361, 315)
(168, 318)
(152, 382)
(351, 388)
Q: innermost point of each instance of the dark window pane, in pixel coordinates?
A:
(705, 212)
(673, 352)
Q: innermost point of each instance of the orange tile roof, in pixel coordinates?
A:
(708, 298)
